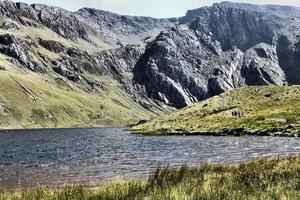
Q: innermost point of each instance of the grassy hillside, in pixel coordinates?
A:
(276, 178)
(249, 110)
(34, 101)
(49, 100)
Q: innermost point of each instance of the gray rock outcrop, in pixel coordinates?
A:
(261, 66)
(67, 69)
(17, 50)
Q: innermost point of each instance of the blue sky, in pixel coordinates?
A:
(154, 8)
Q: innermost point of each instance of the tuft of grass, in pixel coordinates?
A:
(267, 178)
(270, 110)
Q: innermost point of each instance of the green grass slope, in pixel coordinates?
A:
(267, 179)
(249, 110)
(39, 101)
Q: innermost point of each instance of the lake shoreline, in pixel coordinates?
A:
(66, 128)
(263, 177)
(233, 132)
(113, 182)
(228, 132)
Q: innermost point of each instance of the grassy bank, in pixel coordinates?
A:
(250, 110)
(276, 178)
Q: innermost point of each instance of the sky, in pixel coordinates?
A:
(153, 8)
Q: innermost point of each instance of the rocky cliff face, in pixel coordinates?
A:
(159, 63)
(120, 30)
(17, 52)
(234, 25)
(261, 66)
(224, 47)
(180, 67)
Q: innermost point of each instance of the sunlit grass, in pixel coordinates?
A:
(276, 178)
(249, 110)
(38, 101)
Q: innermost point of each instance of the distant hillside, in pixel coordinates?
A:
(249, 110)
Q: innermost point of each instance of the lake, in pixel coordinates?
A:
(95, 157)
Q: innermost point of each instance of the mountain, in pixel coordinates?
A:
(264, 111)
(219, 48)
(96, 68)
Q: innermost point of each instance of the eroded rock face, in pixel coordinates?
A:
(243, 25)
(67, 69)
(61, 21)
(121, 61)
(121, 30)
(229, 45)
(180, 67)
(18, 51)
(261, 66)
(111, 28)
(288, 51)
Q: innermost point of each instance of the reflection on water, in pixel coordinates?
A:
(97, 156)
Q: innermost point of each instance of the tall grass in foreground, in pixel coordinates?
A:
(276, 178)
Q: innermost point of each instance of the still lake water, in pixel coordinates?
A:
(97, 156)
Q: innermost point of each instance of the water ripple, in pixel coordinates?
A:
(97, 156)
